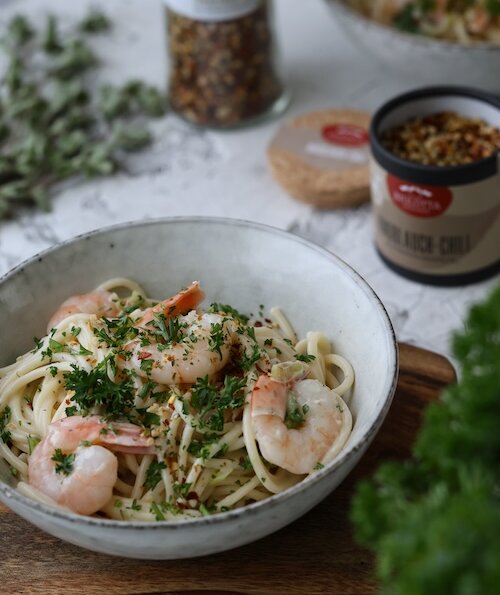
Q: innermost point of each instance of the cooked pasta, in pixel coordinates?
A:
(454, 20)
(140, 410)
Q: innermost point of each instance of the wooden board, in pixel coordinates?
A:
(316, 554)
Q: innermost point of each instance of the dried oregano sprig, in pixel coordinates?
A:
(53, 125)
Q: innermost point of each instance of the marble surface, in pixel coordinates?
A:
(193, 172)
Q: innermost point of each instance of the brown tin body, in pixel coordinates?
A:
(436, 225)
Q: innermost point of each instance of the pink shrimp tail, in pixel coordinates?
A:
(269, 397)
(120, 437)
(183, 302)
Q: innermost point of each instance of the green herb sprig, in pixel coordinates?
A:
(212, 403)
(434, 520)
(63, 463)
(53, 124)
(5, 416)
(96, 389)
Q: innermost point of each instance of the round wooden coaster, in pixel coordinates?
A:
(322, 157)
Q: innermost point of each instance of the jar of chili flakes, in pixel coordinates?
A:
(222, 62)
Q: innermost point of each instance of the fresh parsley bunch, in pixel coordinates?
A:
(53, 124)
(434, 521)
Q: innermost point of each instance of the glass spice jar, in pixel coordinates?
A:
(222, 62)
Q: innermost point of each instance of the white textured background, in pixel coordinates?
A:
(190, 172)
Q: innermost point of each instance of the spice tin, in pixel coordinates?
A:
(223, 70)
(436, 225)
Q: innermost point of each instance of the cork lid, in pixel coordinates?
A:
(322, 157)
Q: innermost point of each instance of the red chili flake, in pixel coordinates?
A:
(144, 355)
(444, 139)
(258, 323)
(192, 496)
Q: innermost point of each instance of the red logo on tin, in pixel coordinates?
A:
(346, 135)
(419, 200)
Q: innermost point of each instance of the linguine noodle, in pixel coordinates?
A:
(206, 456)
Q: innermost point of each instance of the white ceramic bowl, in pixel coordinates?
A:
(240, 263)
(424, 59)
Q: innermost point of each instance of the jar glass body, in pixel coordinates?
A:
(223, 64)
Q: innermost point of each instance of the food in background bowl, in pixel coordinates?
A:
(453, 20)
(143, 410)
(420, 57)
(238, 263)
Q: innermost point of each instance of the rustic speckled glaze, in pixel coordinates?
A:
(423, 58)
(240, 263)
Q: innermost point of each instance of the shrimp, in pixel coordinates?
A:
(186, 300)
(296, 450)
(477, 20)
(87, 485)
(99, 302)
(202, 348)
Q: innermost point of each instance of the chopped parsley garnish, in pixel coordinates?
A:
(216, 308)
(57, 347)
(135, 505)
(203, 395)
(153, 474)
(168, 330)
(318, 466)
(54, 347)
(147, 365)
(160, 508)
(246, 464)
(38, 344)
(181, 490)
(246, 360)
(156, 510)
(295, 414)
(53, 370)
(95, 388)
(32, 442)
(64, 463)
(216, 338)
(147, 389)
(5, 435)
(148, 418)
(211, 403)
(118, 331)
(304, 357)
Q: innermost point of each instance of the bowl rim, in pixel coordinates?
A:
(412, 171)
(61, 515)
(415, 39)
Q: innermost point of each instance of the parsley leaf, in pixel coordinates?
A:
(167, 329)
(153, 474)
(304, 357)
(216, 308)
(212, 403)
(295, 414)
(216, 339)
(247, 360)
(95, 388)
(5, 416)
(64, 463)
